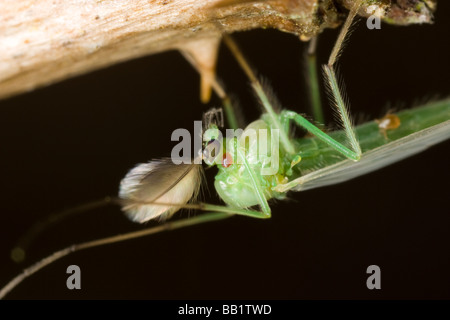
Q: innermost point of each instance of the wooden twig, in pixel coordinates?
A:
(45, 41)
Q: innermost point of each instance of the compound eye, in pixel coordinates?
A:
(211, 151)
(227, 160)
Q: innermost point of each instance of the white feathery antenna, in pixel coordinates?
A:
(159, 181)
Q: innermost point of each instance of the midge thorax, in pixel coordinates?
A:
(255, 154)
(256, 147)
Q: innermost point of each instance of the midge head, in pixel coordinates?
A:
(242, 153)
(213, 150)
(168, 180)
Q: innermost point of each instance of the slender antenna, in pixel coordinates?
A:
(214, 212)
(212, 216)
(18, 253)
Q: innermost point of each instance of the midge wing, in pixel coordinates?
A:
(158, 181)
(373, 159)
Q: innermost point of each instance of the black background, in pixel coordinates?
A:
(73, 142)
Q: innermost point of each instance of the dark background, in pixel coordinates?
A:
(73, 142)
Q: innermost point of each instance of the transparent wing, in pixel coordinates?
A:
(372, 160)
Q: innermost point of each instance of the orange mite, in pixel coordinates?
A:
(388, 122)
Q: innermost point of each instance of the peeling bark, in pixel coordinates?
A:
(45, 41)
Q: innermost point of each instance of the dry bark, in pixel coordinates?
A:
(45, 41)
